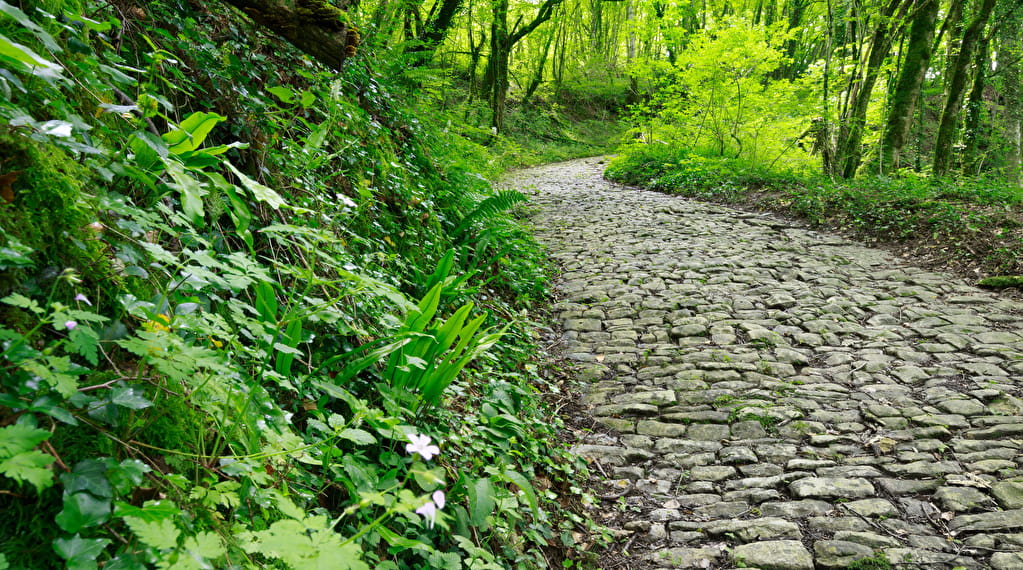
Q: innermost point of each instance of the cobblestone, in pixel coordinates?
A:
(779, 397)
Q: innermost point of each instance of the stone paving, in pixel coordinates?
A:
(780, 398)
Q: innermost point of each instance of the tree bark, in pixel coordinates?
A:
(848, 147)
(907, 88)
(501, 42)
(313, 26)
(1010, 48)
(956, 88)
(973, 132)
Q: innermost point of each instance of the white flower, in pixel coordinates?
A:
(421, 445)
(83, 298)
(429, 510)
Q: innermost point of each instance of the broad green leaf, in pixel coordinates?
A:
(15, 253)
(152, 511)
(30, 467)
(82, 510)
(358, 436)
(24, 54)
(160, 534)
(285, 94)
(192, 131)
(127, 475)
(35, 28)
(89, 475)
(520, 480)
(78, 548)
(259, 191)
(191, 192)
(292, 335)
(129, 397)
(481, 501)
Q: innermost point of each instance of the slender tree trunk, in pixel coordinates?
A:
(497, 65)
(849, 144)
(956, 88)
(973, 133)
(907, 88)
(1010, 49)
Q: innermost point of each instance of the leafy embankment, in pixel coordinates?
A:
(974, 226)
(254, 314)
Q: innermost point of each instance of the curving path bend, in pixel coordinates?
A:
(780, 398)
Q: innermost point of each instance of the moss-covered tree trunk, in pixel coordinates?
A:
(907, 89)
(314, 26)
(974, 133)
(1010, 49)
(849, 142)
(956, 88)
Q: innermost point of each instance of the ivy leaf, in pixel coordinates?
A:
(129, 397)
(127, 475)
(89, 475)
(30, 467)
(161, 534)
(77, 548)
(82, 510)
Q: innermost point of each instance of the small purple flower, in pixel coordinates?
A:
(421, 445)
(429, 510)
(83, 298)
(70, 325)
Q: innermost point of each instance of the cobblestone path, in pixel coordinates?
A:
(780, 398)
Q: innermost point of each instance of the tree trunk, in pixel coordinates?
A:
(907, 88)
(1010, 48)
(848, 147)
(956, 87)
(496, 76)
(313, 26)
(973, 133)
(501, 42)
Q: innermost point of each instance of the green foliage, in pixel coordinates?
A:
(719, 97)
(188, 259)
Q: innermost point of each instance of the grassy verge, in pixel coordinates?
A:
(972, 226)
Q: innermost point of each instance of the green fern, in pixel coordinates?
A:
(490, 208)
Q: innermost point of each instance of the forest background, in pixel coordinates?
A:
(260, 305)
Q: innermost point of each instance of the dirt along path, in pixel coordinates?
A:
(773, 397)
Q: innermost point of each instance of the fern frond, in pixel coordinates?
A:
(490, 208)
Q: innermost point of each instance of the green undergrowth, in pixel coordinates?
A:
(547, 131)
(254, 314)
(974, 223)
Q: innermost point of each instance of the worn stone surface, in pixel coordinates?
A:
(780, 397)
